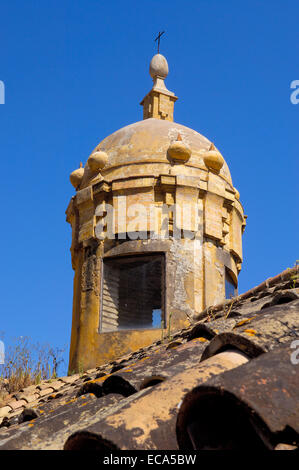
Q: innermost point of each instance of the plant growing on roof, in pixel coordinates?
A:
(27, 363)
(295, 277)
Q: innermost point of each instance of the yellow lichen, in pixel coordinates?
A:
(246, 320)
(250, 332)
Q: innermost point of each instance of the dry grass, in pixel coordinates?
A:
(27, 364)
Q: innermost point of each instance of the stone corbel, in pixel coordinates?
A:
(103, 186)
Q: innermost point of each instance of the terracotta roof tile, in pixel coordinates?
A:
(69, 379)
(133, 401)
(57, 385)
(29, 389)
(5, 410)
(15, 404)
(31, 398)
(42, 386)
(46, 391)
(263, 392)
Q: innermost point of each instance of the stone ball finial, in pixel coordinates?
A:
(97, 161)
(76, 176)
(158, 67)
(213, 159)
(178, 151)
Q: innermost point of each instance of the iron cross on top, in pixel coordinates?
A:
(158, 39)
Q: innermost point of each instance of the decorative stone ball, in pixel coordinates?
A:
(237, 194)
(213, 159)
(178, 151)
(97, 161)
(76, 177)
(158, 66)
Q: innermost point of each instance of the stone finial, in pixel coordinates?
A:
(97, 161)
(179, 151)
(159, 102)
(158, 69)
(213, 159)
(76, 176)
(237, 194)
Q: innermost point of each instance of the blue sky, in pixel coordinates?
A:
(75, 71)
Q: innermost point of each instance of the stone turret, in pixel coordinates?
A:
(156, 232)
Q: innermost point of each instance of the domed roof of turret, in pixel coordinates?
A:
(147, 141)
